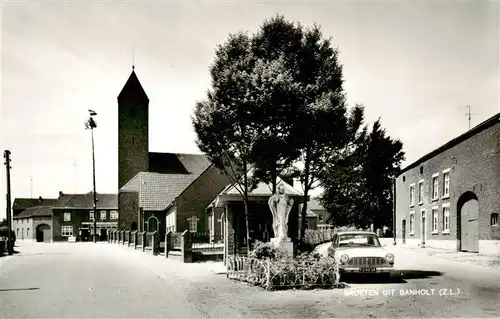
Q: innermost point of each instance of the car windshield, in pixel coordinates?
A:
(358, 240)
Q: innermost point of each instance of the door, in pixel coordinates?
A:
(470, 226)
(43, 233)
(424, 231)
(152, 224)
(403, 227)
(39, 236)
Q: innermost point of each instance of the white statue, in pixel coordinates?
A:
(280, 205)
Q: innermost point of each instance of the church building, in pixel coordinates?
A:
(152, 184)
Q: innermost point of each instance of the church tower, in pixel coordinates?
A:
(133, 129)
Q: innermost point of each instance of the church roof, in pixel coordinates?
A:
(170, 174)
(133, 90)
(177, 163)
(156, 191)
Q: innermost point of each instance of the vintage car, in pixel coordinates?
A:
(360, 252)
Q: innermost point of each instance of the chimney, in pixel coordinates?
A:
(60, 193)
(40, 199)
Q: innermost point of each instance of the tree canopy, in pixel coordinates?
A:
(276, 105)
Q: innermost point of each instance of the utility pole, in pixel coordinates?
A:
(10, 246)
(394, 210)
(91, 125)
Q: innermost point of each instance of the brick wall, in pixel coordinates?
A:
(77, 217)
(133, 147)
(474, 166)
(23, 228)
(127, 210)
(195, 199)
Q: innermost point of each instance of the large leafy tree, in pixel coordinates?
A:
(277, 45)
(224, 121)
(310, 124)
(358, 189)
(236, 123)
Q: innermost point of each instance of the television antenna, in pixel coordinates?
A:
(468, 114)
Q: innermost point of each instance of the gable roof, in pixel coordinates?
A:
(86, 201)
(157, 191)
(262, 189)
(170, 174)
(133, 90)
(37, 211)
(23, 203)
(494, 120)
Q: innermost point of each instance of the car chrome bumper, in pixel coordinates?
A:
(379, 270)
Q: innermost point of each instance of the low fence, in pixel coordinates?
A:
(273, 275)
(188, 246)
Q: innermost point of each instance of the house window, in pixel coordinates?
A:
(17, 232)
(91, 215)
(435, 187)
(103, 215)
(412, 195)
(66, 231)
(67, 217)
(113, 214)
(494, 219)
(193, 224)
(412, 223)
(421, 192)
(446, 185)
(446, 220)
(434, 221)
(27, 231)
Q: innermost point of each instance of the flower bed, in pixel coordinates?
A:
(273, 269)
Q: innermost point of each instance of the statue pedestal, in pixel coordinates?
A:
(285, 244)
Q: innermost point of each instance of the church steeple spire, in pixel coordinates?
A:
(132, 90)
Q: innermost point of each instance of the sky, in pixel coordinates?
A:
(414, 64)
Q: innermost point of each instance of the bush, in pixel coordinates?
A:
(266, 251)
(306, 270)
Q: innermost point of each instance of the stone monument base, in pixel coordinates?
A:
(284, 243)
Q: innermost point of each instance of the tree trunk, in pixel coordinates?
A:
(273, 178)
(303, 214)
(307, 165)
(245, 202)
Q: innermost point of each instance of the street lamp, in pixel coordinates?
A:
(90, 124)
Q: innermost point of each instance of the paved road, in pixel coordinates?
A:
(85, 280)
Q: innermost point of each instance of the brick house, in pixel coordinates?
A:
(175, 201)
(151, 185)
(20, 204)
(227, 212)
(34, 224)
(317, 216)
(32, 218)
(73, 215)
(450, 198)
